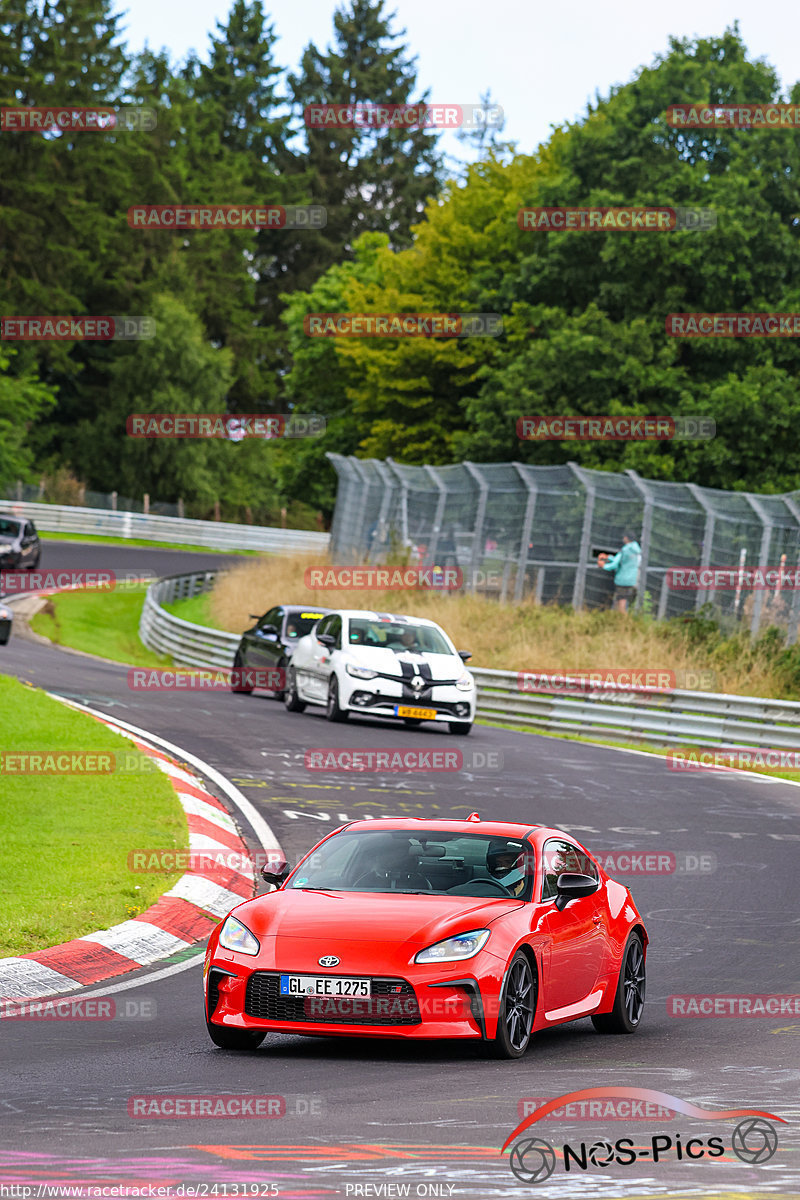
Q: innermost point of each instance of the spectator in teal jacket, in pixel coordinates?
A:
(625, 565)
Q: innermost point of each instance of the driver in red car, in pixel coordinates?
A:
(505, 862)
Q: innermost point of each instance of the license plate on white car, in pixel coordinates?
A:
(422, 714)
(324, 985)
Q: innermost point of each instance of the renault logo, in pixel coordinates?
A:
(328, 960)
(417, 682)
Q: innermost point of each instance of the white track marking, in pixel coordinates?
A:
(139, 940)
(19, 975)
(206, 895)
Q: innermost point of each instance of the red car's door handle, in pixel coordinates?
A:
(597, 920)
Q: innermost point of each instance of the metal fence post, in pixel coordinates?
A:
(386, 500)
(708, 538)
(586, 536)
(647, 527)
(441, 502)
(480, 520)
(403, 501)
(527, 526)
(763, 556)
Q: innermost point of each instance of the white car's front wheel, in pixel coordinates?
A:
(460, 727)
(291, 699)
(332, 710)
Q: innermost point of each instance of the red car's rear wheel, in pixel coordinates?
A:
(629, 1000)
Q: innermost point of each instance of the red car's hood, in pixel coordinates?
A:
(369, 917)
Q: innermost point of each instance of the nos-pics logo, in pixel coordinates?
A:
(754, 1140)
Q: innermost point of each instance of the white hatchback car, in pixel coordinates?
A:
(384, 665)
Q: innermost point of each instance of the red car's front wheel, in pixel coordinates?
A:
(234, 1039)
(517, 1010)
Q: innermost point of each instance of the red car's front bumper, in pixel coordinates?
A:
(443, 1000)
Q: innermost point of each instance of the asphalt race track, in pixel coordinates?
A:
(369, 1117)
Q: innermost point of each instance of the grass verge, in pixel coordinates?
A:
(533, 637)
(112, 541)
(98, 622)
(65, 838)
(196, 609)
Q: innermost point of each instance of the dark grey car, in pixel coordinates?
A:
(268, 646)
(6, 620)
(20, 549)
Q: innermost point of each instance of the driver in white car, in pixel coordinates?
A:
(409, 639)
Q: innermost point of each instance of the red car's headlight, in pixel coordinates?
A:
(454, 949)
(236, 936)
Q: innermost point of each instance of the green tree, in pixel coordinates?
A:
(177, 371)
(23, 398)
(584, 313)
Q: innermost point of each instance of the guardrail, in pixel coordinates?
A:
(189, 645)
(216, 535)
(673, 717)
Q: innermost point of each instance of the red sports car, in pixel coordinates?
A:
(422, 928)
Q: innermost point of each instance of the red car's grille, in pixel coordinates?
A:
(392, 1002)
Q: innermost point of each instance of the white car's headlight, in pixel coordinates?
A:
(454, 949)
(360, 672)
(236, 936)
(464, 684)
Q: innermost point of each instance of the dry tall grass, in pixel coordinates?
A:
(504, 636)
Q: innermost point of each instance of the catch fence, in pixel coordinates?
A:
(520, 531)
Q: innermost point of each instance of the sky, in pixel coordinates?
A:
(542, 62)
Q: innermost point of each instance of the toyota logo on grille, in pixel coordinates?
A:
(328, 960)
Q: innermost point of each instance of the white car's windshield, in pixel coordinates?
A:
(426, 861)
(397, 636)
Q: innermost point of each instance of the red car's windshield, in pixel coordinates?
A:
(429, 861)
